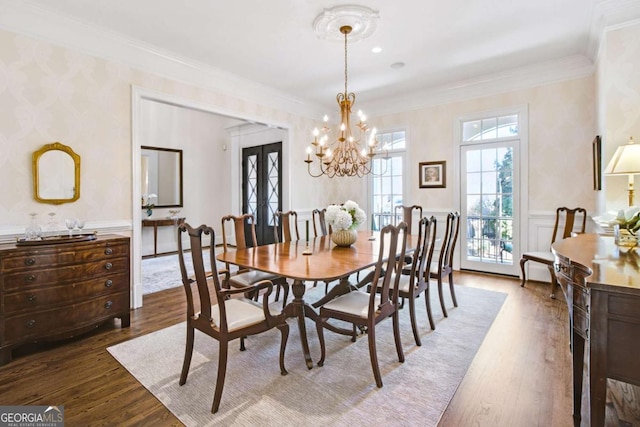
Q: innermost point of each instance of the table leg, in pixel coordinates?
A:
(298, 308)
(301, 310)
(155, 240)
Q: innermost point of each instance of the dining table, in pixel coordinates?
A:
(318, 259)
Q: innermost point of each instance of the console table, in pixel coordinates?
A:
(601, 283)
(155, 223)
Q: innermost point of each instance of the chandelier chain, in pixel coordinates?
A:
(345, 62)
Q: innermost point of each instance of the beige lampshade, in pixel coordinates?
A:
(625, 161)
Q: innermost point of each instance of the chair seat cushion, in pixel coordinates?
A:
(540, 256)
(355, 303)
(241, 313)
(249, 278)
(403, 285)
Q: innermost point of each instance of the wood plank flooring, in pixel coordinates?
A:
(521, 375)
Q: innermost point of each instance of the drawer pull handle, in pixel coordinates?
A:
(31, 298)
(108, 251)
(108, 283)
(31, 324)
(108, 266)
(30, 278)
(108, 304)
(30, 261)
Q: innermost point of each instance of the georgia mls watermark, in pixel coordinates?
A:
(31, 416)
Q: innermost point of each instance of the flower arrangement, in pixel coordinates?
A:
(628, 219)
(147, 204)
(346, 217)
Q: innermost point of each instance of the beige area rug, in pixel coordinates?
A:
(341, 393)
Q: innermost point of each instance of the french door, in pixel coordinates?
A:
(490, 206)
(262, 188)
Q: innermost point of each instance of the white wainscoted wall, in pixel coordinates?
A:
(540, 233)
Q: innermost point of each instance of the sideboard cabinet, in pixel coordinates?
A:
(59, 290)
(601, 283)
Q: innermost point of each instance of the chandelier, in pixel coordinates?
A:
(348, 154)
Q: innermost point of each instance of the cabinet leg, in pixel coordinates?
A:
(125, 321)
(578, 344)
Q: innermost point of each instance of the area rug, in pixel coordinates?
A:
(340, 393)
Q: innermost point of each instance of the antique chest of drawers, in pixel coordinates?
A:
(59, 290)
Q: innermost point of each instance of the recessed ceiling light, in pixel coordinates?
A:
(376, 49)
(397, 65)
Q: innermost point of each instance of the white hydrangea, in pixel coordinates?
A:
(346, 217)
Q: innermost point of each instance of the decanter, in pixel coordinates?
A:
(33, 231)
(51, 229)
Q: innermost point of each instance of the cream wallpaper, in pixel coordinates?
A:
(561, 128)
(619, 104)
(49, 93)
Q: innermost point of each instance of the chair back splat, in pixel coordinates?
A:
(221, 317)
(567, 222)
(320, 223)
(406, 213)
(286, 224)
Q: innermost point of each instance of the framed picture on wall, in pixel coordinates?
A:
(597, 163)
(433, 174)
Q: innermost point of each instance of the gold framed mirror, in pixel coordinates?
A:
(56, 174)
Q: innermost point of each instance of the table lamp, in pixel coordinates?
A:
(625, 161)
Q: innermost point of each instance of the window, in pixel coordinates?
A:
(387, 180)
(490, 191)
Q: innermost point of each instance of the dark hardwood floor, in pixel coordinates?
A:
(521, 375)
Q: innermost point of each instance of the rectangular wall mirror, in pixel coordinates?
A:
(162, 175)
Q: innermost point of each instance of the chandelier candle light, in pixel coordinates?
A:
(345, 156)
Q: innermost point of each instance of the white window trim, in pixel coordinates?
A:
(523, 134)
(407, 174)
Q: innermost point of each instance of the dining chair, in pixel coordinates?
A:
(415, 281)
(407, 214)
(245, 277)
(320, 228)
(224, 316)
(367, 309)
(444, 266)
(286, 226)
(565, 222)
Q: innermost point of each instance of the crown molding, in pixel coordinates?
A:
(610, 15)
(28, 19)
(567, 68)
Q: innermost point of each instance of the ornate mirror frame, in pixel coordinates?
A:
(38, 173)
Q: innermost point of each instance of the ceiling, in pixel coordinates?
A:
(441, 43)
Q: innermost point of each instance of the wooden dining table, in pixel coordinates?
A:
(317, 260)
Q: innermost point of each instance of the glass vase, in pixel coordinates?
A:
(624, 237)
